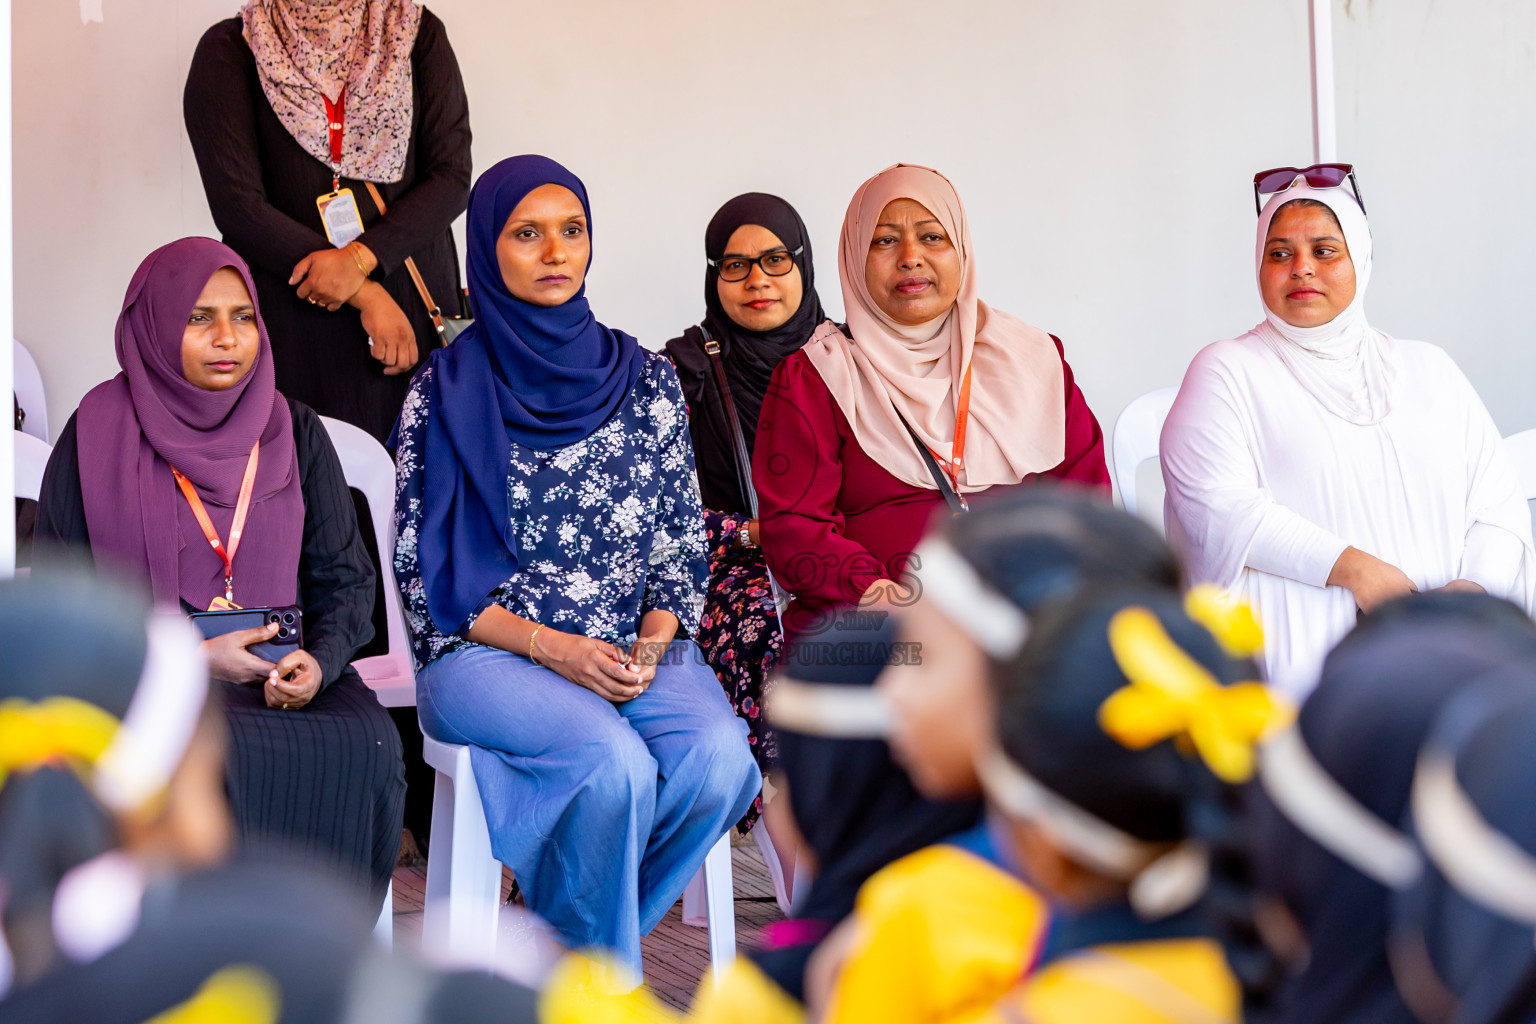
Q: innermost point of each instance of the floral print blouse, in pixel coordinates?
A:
(607, 529)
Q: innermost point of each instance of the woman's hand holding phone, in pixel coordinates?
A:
(229, 660)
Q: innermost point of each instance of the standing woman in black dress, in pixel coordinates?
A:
(348, 324)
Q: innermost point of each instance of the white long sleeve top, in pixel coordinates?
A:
(1266, 488)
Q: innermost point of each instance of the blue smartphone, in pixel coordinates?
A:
(290, 628)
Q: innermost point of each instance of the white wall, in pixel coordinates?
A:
(1437, 106)
(1103, 147)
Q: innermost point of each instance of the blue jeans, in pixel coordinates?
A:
(604, 811)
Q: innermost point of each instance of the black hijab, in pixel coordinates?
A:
(750, 357)
(1378, 696)
(1461, 956)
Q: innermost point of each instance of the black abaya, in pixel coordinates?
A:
(326, 777)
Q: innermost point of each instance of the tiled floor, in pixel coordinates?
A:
(676, 955)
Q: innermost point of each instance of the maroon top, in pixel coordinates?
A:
(831, 520)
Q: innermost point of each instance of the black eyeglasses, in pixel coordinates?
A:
(1278, 179)
(775, 263)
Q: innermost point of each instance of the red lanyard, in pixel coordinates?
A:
(336, 117)
(236, 528)
(953, 465)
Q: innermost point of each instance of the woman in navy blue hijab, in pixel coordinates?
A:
(552, 559)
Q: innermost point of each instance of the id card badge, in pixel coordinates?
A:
(338, 212)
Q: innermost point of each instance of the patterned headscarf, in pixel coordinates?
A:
(305, 49)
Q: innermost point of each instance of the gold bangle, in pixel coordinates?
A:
(533, 641)
(352, 248)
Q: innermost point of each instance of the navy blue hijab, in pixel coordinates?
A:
(550, 375)
(1456, 956)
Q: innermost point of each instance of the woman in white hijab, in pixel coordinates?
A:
(1316, 465)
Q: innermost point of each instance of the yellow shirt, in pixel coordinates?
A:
(584, 991)
(1170, 981)
(939, 934)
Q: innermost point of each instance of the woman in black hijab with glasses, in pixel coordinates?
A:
(761, 305)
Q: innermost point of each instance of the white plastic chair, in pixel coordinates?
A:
(464, 878)
(28, 382)
(1522, 452)
(1135, 439)
(384, 928)
(31, 459)
(368, 468)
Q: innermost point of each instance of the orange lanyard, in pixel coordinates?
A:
(953, 465)
(236, 527)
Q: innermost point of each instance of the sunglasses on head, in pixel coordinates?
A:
(1278, 179)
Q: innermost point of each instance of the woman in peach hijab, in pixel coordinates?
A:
(926, 398)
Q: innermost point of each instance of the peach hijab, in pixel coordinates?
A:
(1018, 394)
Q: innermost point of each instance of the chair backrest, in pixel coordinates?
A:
(31, 459)
(28, 382)
(369, 469)
(1135, 439)
(1522, 452)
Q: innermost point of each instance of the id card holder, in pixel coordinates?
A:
(339, 214)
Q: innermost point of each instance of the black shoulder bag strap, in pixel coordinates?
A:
(781, 597)
(956, 501)
(738, 438)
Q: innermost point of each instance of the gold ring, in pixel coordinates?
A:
(285, 707)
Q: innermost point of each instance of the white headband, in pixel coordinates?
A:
(821, 709)
(154, 734)
(1162, 881)
(995, 623)
(1085, 837)
(1479, 860)
(1314, 802)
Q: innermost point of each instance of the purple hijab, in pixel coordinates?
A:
(133, 428)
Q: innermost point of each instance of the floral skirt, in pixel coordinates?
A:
(741, 640)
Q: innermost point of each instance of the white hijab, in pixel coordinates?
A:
(1346, 364)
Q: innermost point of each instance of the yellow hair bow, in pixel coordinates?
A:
(584, 991)
(241, 994)
(55, 728)
(1231, 622)
(1172, 695)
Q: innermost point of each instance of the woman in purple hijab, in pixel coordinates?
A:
(159, 461)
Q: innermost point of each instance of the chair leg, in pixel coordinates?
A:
(384, 930)
(721, 898)
(696, 903)
(781, 894)
(435, 910)
(463, 878)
